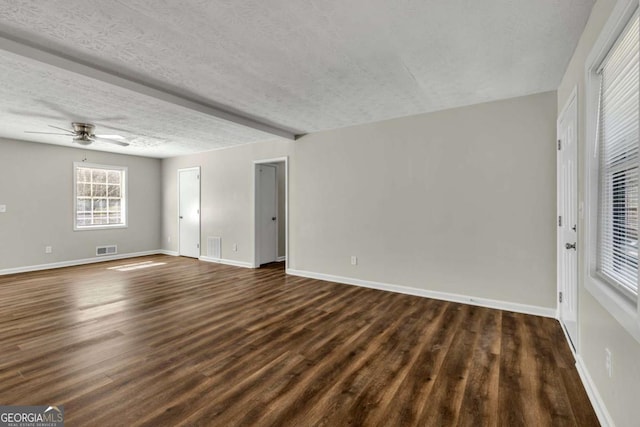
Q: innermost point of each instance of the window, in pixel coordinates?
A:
(618, 155)
(100, 196)
(612, 165)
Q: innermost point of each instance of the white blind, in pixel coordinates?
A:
(618, 140)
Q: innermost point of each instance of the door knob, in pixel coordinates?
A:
(273, 218)
(180, 216)
(570, 246)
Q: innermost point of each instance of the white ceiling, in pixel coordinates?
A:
(301, 66)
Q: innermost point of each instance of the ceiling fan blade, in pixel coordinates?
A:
(49, 133)
(111, 141)
(102, 125)
(137, 132)
(118, 137)
(66, 130)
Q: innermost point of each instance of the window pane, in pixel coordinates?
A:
(99, 175)
(624, 256)
(114, 205)
(100, 218)
(99, 190)
(83, 205)
(83, 175)
(114, 219)
(83, 219)
(84, 190)
(99, 205)
(114, 191)
(114, 177)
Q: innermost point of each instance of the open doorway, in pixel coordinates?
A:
(271, 206)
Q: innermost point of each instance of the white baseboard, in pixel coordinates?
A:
(166, 252)
(573, 349)
(482, 302)
(74, 262)
(226, 262)
(592, 391)
(281, 258)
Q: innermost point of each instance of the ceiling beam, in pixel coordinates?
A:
(86, 69)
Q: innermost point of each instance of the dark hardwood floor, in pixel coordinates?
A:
(184, 342)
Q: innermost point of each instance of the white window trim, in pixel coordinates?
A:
(75, 195)
(621, 308)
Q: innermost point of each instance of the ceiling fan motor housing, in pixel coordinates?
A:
(84, 133)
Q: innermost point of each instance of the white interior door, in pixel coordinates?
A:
(189, 212)
(568, 220)
(267, 214)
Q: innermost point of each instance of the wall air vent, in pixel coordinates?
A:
(214, 247)
(106, 250)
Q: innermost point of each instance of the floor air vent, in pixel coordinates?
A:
(106, 250)
(213, 247)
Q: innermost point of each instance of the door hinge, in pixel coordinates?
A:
(560, 297)
(559, 144)
(198, 245)
(559, 220)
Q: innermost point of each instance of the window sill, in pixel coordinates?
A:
(99, 227)
(622, 309)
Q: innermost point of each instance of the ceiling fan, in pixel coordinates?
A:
(83, 134)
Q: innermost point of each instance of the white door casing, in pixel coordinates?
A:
(267, 212)
(189, 212)
(567, 206)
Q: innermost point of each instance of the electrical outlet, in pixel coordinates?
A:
(608, 362)
(354, 260)
(168, 239)
(3, 208)
(48, 249)
(235, 247)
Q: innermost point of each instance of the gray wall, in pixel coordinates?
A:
(597, 329)
(459, 201)
(36, 184)
(226, 187)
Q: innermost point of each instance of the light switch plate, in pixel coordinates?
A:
(3, 208)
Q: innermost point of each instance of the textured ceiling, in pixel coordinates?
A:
(304, 65)
(152, 127)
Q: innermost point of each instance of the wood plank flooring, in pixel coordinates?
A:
(182, 342)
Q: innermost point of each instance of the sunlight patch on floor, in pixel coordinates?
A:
(136, 266)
